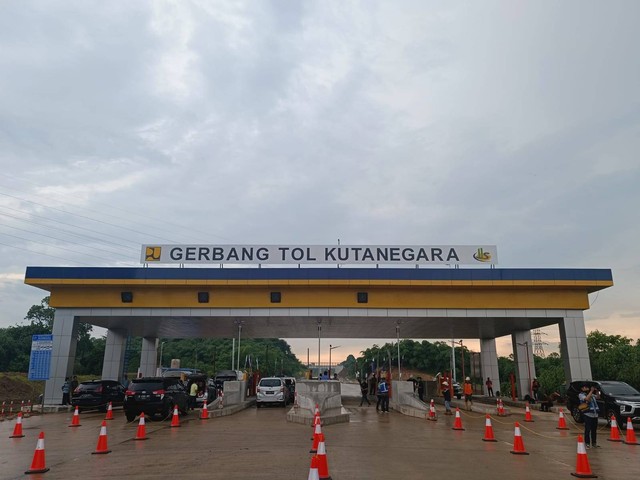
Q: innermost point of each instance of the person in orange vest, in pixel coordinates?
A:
(468, 393)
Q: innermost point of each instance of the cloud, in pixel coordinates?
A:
(513, 124)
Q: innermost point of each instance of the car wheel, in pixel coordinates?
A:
(577, 416)
(168, 411)
(258, 405)
(130, 416)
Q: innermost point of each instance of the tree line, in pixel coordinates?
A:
(613, 357)
(272, 356)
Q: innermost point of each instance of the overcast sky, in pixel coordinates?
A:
(506, 123)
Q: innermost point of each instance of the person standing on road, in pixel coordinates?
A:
(489, 385)
(383, 395)
(468, 393)
(446, 393)
(74, 385)
(535, 388)
(193, 393)
(66, 386)
(373, 386)
(364, 390)
(590, 415)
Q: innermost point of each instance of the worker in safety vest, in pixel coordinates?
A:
(383, 395)
(468, 393)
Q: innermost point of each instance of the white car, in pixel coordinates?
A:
(271, 390)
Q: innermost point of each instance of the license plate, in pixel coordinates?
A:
(142, 397)
(269, 393)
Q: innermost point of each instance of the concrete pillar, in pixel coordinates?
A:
(149, 356)
(573, 347)
(489, 364)
(63, 354)
(523, 357)
(114, 350)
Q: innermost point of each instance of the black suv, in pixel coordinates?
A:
(155, 396)
(615, 398)
(98, 394)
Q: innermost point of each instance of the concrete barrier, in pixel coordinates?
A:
(324, 393)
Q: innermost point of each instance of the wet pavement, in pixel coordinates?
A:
(261, 444)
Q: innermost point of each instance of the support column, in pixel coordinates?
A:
(523, 357)
(573, 347)
(63, 354)
(149, 356)
(114, 350)
(489, 364)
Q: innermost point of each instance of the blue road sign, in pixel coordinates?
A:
(40, 361)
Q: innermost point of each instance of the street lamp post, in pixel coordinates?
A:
(161, 349)
(461, 358)
(330, 349)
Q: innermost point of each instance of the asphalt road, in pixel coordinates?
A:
(261, 444)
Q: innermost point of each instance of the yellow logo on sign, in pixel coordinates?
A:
(152, 254)
(482, 256)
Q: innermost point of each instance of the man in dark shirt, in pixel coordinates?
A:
(364, 390)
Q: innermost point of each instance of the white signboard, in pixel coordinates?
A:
(321, 254)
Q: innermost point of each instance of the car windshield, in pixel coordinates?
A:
(270, 382)
(89, 387)
(620, 389)
(138, 386)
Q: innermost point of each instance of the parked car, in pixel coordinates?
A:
(457, 390)
(155, 396)
(227, 376)
(206, 389)
(614, 398)
(98, 394)
(272, 390)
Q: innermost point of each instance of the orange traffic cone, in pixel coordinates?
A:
(175, 420)
(141, 434)
(317, 410)
(75, 421)
(630, 438)
(17, 430)
(38, 463)
(562, 424)
(313, 471)
(102, 440)
(316, 420)
(457, 424)
(614, 436)
(488, 430)
(518, 444)
(527, 413)
(109, 415)
(204, 414)
(583, 470)
(323, 468)
(432, 412)
(501, 408)
(316, 439)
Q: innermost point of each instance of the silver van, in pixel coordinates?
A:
(272, 390)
